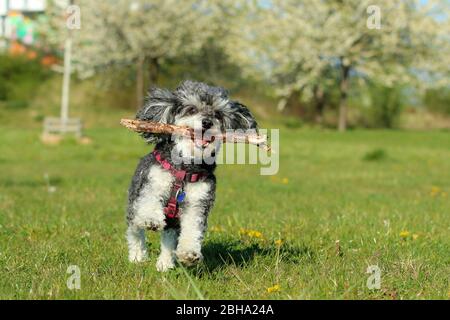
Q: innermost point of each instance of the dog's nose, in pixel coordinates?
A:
(207, 123)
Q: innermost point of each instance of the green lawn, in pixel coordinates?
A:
(385, 195)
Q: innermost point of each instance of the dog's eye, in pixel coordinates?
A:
(218, 116)
(190, 110)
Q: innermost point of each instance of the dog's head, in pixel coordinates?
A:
(199, 106)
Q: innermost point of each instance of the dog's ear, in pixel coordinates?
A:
(237, 116)
(158, 107)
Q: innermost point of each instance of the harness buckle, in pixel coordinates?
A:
(171, 210)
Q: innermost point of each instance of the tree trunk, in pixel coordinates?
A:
(343, 99)
(140, 81)
(293, 104)
(319, 101)
(153, 71)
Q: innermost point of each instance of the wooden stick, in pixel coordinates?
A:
(163, 128)
(156, 127)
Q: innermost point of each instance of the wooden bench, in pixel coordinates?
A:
(57, 125)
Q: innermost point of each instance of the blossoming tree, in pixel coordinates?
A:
(141, 33)
(295, 43)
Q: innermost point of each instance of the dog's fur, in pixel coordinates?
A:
(201, 107)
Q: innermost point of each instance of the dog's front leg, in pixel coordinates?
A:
(150, 216)
(149, 206)
(193, 222)
(166, 259)
(137, 250)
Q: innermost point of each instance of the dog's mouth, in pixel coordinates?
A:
(204, 142)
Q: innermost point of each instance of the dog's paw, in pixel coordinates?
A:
(150, 223)
(189, 258)
(165, 263)
(137, 256)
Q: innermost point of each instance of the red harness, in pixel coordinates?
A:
(172, 210)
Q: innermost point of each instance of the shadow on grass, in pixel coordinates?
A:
(218, 254)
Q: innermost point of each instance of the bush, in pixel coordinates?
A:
(375, 155)
(385, 106)
(19, 80)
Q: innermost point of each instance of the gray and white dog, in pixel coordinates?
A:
(201, 107)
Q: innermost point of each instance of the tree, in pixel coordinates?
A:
(294, 42)
(133, 33)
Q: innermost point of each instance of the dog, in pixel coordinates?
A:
(173, 196)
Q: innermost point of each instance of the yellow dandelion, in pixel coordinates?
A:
(216, 229)
(274, 178)
(242, 231)
(279, 242)
(285, 181)
(254, 234)
(251, 233)
(404, 234)
(273, 289)
(435, 191)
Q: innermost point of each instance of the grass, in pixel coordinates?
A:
(270, 236)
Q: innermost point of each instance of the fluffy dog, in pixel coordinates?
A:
(203, 108)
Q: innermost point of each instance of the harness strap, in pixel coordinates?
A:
(172, 210)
